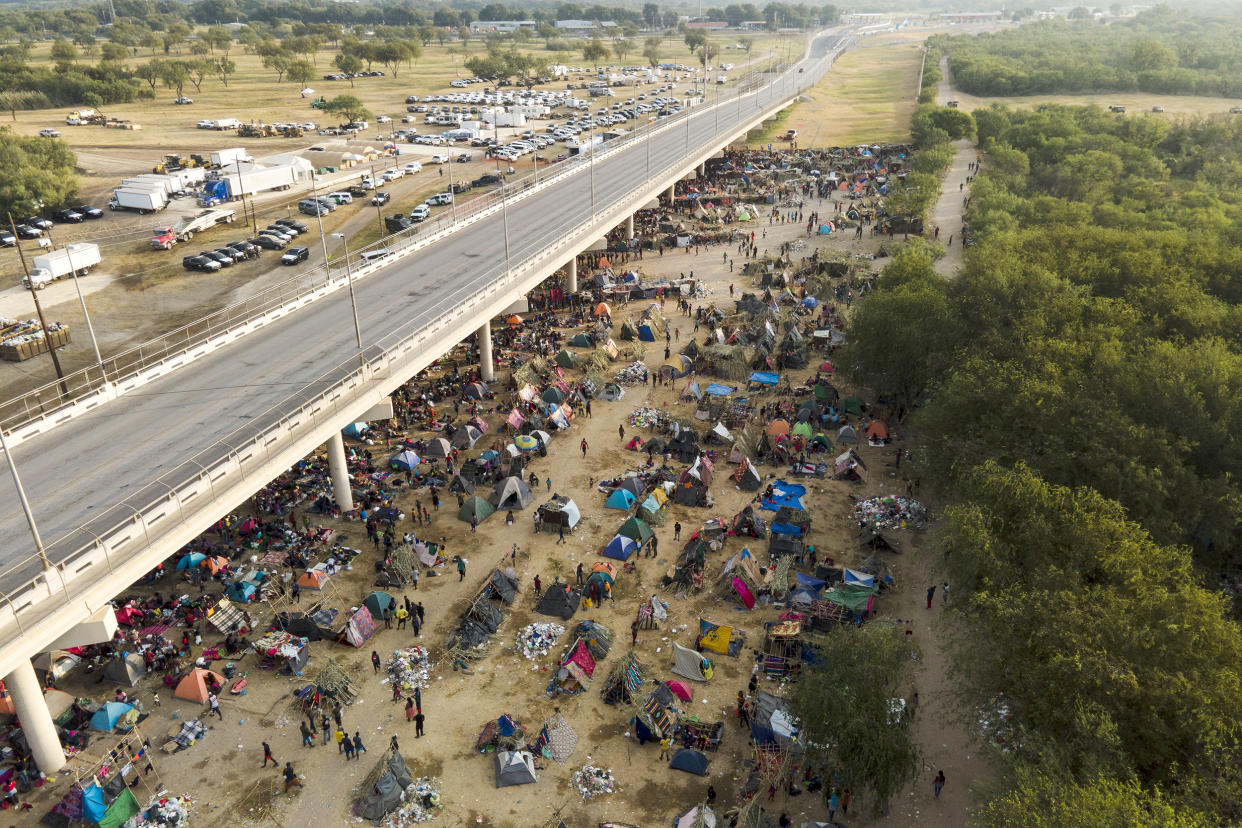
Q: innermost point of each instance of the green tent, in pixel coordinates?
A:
(636, 530)
(377, 602)
(853, 597)
(627, 331)
(804, 429)
(852, 405)
(565, 359)
(475, 507)
(581, 341)
(121, 809)
(821, 392)
(553, 395)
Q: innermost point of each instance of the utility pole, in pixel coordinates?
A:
(254, 224)
(34, 294)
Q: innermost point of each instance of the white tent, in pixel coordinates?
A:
(514, 767)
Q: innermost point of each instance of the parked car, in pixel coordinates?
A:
(268, 242)
(200, 263)
(25, 231)
(244, 247)
(293, 224)
(357, 191)
(225, 261)
(88, 212)
(232, 252)
(294, 255)
(311, 208)
(380, 198)
(440, 198)
(486, 179)
(40, 222)
(49, 133)
(341, 197)
(420, 213)
(413, 167)
(66, 214)
(7, 239)
(183, 100)
(280, 232)
(396, 223)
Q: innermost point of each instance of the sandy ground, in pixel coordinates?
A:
(221, 771)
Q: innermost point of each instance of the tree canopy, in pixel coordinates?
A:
(34, 171)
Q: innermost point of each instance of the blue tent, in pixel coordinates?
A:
(355, 429)
(784, 494)
(620, 548)
(241, 591)
(93, 806)
(651, 505)
(404, 460)
(717, 390)
(620, 499)
(645, 334)
(810, 302)
(107, 716)
(765, 378)
(690, 761)
(824, 230)
(779, 528)
(490, 454)
(190, 560)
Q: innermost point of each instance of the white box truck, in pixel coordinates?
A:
(150, 181)
(224, 157)
(72, 258)
(227, 123)
(142, 201)
(258, 179)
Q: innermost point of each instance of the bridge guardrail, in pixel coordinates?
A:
(114, 533)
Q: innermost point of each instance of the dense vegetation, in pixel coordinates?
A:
(1162, 51)
(1076, 400)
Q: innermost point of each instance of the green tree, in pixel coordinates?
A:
(224, 68)
(34, 171)
(113, 52)
(594, 51)
(174, 36)
(219, 37)
(847, 710)
(200, 47)
(64, 53)
(349, 64)
(392, 55)
(198, 70)
(279, 63)
(149, 72)
(175, 75)
(651, 50)
(1050, 800)
(300, 72)
(621, 47)
(694, 39)
(349, 108)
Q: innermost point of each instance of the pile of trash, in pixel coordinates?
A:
(592, 781)
(632, 374)
(171, 811)
(537, 639)
(893, 512)
(422, 804)
(645, 417)
(409, 668)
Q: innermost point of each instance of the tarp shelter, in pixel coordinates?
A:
(764, 378)
(772, 723)
(784, 494)
(377, 602)
(190, 560)
(387, 793)
(559, 601)
(355, 429)
(438, 447)
(718, 638)
(126, 671)
(690, 491)
(476, 390)
(557, 739)
(359, 628)
(404, 460)
(636, 530)
(856, 578)
(502, 586)
(620, 499)
(313, 579)
(620, 548)
(689, 664)
(653, 504)
(196, 685)
(241, 591)
(632, 484)
(611, 392)
(512, 493)
(690, 761)
(466, 436)
(215, 563)
(747, 477)
(55, 664)
(559, 512)
(475, 507)
(316, 627)
(461, 484)
(847, 434)
(108, 716)
(514, 767)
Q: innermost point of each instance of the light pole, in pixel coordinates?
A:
(504, 209)
(319, 218)
(591, 148)
(241, 191)
(21, 495)
(353, 301)
(90, 329)
(47, 337)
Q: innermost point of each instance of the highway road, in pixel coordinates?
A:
(86, 470)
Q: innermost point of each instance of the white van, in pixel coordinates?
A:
(413, 167)
(341, 197)
(369, 256)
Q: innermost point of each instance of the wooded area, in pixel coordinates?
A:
(1075, 400)
(1163, 50)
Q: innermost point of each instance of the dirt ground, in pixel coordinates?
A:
(219, 772)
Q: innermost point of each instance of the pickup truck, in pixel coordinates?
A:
(163, 238)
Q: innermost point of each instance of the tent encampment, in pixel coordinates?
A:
(438, 447)
(475, 507)
(466, 436)
(690, 664)
(620, 499)
(512, 493)
(847, 434)
(111, 714)
(404, 460)
(386, 793)
(196, 685)
(514, 767)
(377, 602)
(560, 601)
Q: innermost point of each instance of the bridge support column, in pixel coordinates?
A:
(671, 194)
(629, 228)
(37, 724)
(571, 275)
(700, 171)
(339, 471)
(484, 335)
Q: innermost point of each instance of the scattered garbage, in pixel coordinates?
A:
(422, 804)
(891, 512)
(162, 810)
(633, 373)
(592, 781)
(537, 639)
(409, 668)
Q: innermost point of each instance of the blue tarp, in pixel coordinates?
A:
(815, 584)
(620, 499)
(354, 429)
(191, 560)
(93, 806)
(694, 389)
(404, 460)
(651, 505)
(765, 378)
(809, 302)
(717, 390)
(241, 591)
(786, 529)
(107, 716)
(785, 494)
(620, 548)
(645, 334)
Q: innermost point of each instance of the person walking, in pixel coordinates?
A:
(297, 593)
(349, 749)
(938, 783)
(340, 740)
(409, 709)
(845, 801)
(375, 661)
(393, 746)
(474, 524)
(461, 568)
(677, 530)
(633, 633)
(584, 447)
(308, 735)
(579, 574)
(931, 593)
(403, 615)
(419, 719)
(711, 795)
(538, 586)
(327, 729)
(833, 801)
(267, 756)
(416, 625)
(358, 746)
(418, 610)
(418, 699)
(291, 777)
(213, 705)
(549, 482)
(621, 431)
(665, 744)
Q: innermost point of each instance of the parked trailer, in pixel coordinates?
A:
(72, 258)
(224, 157)
(227, 123)
(143, 201)
(257, 179)
(164, 238)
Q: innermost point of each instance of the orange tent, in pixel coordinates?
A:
(514, 320)
(603, 262)
(215, 563)
(602, 309)
(778, 427)
(877, 430)
(605, 566)
(313, 579)
(194, 686)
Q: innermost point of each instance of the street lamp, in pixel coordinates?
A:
(319, 218)
(353, 301)
(452, 191)
(21, 495)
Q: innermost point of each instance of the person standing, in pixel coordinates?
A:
(634, 633)
(267, 756)
(213, 702)
(711, 795)
(327, 729)
(418, 699)
(403, 615)
(931, 593)
(375, 661)
(579, 573)
(461, 568)
(665, 744)
(833, 801)
(538, 586)
(297, 593)
(560, 533)
(418, 610)
(584, 448)
(419, 719)
(340, 740)
(845, 801)
(349, 749)
(946, 592)
(308, 736)
(677, 530)
(358, 746)
(938, 783)
(416, 624)
(291, 777)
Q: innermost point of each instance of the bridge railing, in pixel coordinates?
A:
(188, 492)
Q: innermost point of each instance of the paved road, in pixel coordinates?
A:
(87, 469)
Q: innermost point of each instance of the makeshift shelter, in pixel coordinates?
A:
(620, 499)
(565, 359)
(514, 768)
(476, 390)
(611, 392)
(747, 523)
(460, 485)
(782, 649)
(404, 460)
(359, 628)
(690, 664)
(317, 626)
(719, 638)
(190, 560)
(355, 430)
(500, 586)
(772, 722)
(315, 579)
(512, 493)
(377, 602)
(624, 681)
(475, 507)
(241, 591)
(438, 448)
(690, 491)
(690, 761)
(849, 466)
(557, 739)
(56, 664)
(197, 684)
(383, 791)
(559, 513)
(742, 577)
(466, 436)
(112, 714)
(620, 548)
(636, 530)
(559, 601)
(653, 505)
(126, 670)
